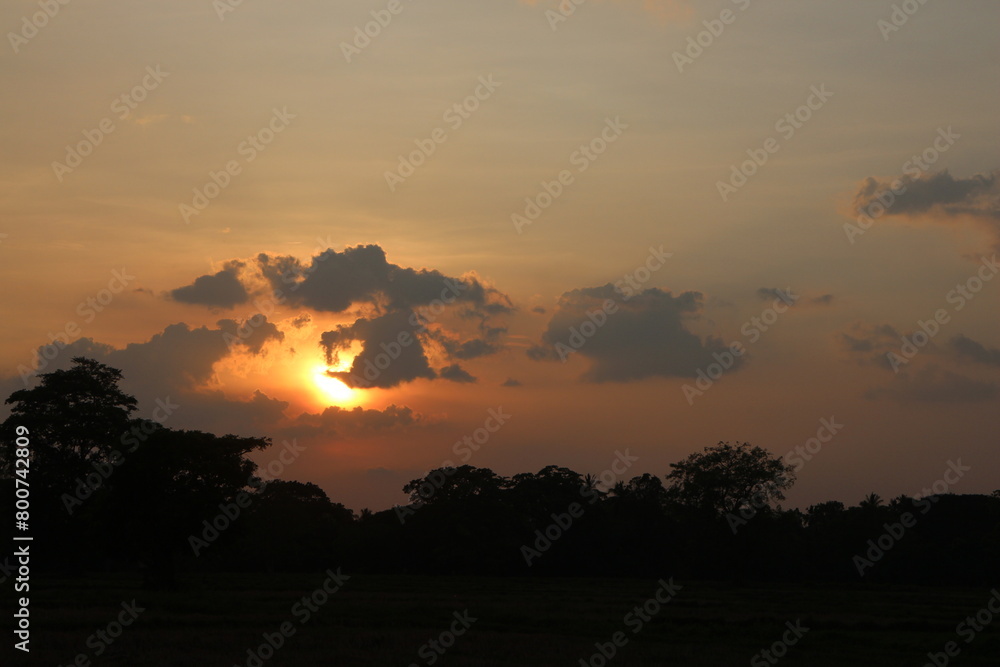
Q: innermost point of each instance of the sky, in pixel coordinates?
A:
(569, 230)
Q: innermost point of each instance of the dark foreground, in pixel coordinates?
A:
(375, 620)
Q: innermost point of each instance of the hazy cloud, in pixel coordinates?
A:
(935, 385)
(967, 348)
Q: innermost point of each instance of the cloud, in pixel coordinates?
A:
(645, 337)
(935, 385)
(221, 290)
(334, 281)
(456, 373)
(391, 351)
(968, 349)
(511, 382)
(174, 361)
(939, 195)
(938, 192)
(342, 422)
(790, 298)
(870, 344)
(252, 333)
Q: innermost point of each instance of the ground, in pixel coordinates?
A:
(386, 620)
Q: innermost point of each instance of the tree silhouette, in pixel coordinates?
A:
(726, 478)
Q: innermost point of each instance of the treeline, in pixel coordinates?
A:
(160, 501)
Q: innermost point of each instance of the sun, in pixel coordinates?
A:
(332, 389)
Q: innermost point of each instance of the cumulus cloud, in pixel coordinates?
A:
(220, 290)
(334, 281)
(253, 333)
(646, 337)
(456, 373)
(391, 351)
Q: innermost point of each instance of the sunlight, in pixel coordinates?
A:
(332, 390)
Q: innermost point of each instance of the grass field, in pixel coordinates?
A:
(376, 620)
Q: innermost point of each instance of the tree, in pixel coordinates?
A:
(76, 418)
(726, 478)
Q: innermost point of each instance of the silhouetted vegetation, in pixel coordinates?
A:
(113, 493)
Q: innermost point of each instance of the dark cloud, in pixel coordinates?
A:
(511, 382)
(935, 385)
(968, 349)
(539, 309)
(252, 333)
(939, 192)
(455, 348)
(334, 281)
(645, 337)
(221, 290)
(456, 373)
(391, 351)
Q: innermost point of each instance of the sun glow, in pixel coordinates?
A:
(333, 390)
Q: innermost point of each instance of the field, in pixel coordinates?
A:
(375, 620)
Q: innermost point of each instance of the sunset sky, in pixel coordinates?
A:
(229, 200)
